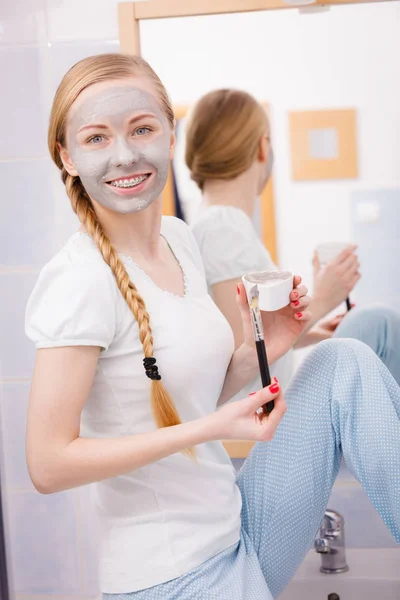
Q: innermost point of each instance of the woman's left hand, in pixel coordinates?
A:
(282, 328)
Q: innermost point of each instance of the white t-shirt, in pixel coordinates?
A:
(230, 247)
(164, 519)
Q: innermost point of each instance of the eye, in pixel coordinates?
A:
(142, 131)
(95, 139)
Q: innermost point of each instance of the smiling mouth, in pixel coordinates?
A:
(129, 182)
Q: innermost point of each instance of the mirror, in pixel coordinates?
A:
(333, 139)
(328, 77)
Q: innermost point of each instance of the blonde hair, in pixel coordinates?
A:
(223, 135)
(85, 73)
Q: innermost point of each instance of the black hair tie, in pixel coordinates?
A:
(151, 368)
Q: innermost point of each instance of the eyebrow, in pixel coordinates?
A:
(131, 121)
(92, 126)
(142, 116)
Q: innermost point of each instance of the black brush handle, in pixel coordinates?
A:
(348, 304)
(264, 372)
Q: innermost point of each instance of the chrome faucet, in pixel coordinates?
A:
(330, 543)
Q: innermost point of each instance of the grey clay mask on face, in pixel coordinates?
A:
(120, 151)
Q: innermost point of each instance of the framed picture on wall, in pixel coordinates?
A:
(323, 144)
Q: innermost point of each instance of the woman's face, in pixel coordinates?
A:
(119, 142)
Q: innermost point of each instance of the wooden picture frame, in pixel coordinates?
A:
(131, 13)
(338, 158)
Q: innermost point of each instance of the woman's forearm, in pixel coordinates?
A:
(87, 460)
(242, 369)
(319, 310)
(313, 336)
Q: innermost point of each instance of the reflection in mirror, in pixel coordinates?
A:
(329, 187)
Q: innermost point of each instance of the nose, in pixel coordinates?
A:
(125, 153)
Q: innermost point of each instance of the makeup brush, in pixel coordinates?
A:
(260, 345)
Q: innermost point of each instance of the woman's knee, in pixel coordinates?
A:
(375, 315)
(336, 348)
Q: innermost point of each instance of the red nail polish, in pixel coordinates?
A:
(252, 393)
(238, 289)
(275, 379)
(274, 388)
(295, 294)
(299, 315)
(296, 303)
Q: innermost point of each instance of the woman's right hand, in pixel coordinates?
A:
(240, 420)
(334, 281)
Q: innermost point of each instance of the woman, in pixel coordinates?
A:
(229, 155)
(174, 522)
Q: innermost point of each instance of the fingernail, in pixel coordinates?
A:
(238, 289)
(299, 315)
(252, 393)
(295, 294)
(274, 388)
(296, 303)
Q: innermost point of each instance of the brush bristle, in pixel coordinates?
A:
(254, 302)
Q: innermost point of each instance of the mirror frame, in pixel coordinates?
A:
(131, 13)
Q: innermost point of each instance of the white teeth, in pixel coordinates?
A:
(127, 183)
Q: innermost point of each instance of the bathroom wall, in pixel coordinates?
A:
(50, 539)
(342, 58)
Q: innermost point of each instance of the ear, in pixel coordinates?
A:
(263, 149)
(66, 161)
(172, 145)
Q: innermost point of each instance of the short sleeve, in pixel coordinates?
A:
(229, 246)
(72, 304)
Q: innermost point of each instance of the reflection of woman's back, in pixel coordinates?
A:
(229, 156)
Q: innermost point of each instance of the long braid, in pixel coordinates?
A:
(164, 411)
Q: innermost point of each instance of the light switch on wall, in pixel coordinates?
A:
(368, 212)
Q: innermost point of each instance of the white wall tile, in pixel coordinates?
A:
(3, 497)
(14, 405)
(16, 351)
(43, 543)
(90, 20)
(64, 55)
(77, 20)
(26, 236)
(66, 222)
(22, 109)
(22, 22)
